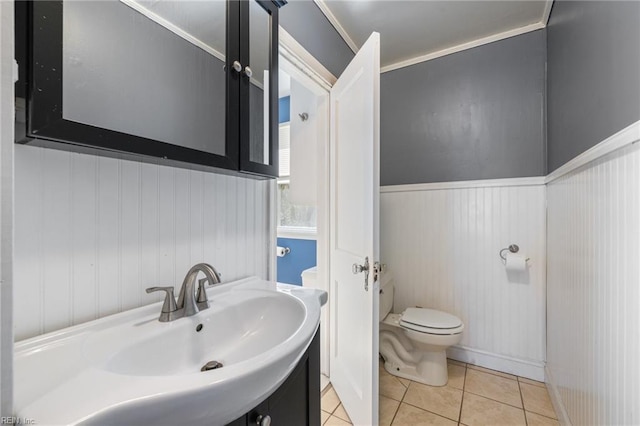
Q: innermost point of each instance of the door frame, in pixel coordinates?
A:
(299, 63)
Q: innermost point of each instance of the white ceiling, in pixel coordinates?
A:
(412, 31)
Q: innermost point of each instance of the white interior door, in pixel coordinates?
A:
(355, 189)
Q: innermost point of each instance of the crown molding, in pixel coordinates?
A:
(464, 46)
(337, 25)
(444, 52)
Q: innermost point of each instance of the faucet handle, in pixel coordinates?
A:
(201, 296)
(169, 300)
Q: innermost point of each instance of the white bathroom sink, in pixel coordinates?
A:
(132, 369)
(238, 326)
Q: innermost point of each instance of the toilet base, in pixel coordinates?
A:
(430, 370)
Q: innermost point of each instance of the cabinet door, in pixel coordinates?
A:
(135, 76)
(297, 401)
(240, 421)
(259, 88)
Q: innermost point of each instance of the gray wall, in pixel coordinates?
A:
(308, 25)
(593, 74)
(476, 114)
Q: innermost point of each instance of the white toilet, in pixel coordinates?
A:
(414, 343)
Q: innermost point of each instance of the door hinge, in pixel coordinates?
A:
(16, 71)
(378, 268)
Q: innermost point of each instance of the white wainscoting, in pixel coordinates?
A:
(594, 289)
(441, 244)
(91, 233)
(7, 83)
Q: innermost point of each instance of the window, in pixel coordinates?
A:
(292, 218)
(293, 215)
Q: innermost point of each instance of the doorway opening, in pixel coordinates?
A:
(300, 195)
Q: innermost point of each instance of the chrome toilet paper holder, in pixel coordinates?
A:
(282, 251)
(513, 248)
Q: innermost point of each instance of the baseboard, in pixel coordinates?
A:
(556, 400)
(523, 368)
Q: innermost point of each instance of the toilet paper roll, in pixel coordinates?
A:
(516, 262)
(281, 251)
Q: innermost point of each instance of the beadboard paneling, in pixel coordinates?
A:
(7, 108)
(93, 232)
(594, 289)
(442, 248)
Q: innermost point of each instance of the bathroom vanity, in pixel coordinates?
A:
(131, 368)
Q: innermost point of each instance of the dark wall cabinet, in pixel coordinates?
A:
(297, 401)
(191, 84)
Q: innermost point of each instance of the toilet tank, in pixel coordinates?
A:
(310, 277)
(386, 294)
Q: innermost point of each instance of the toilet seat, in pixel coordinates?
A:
(431, 321)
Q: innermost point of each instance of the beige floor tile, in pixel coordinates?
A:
(404, 381)
(531, 382)
(324, 416)
(342, 413)
(493, 387)
(408, 415)
(391, 386)
(443, 400)
(326, 389)
(456, 376)
(336, 421)
(454, 362)
(479, 411)
(330, 401)
(494, 372)
(536, 400)
(388, 408)
(538, 420)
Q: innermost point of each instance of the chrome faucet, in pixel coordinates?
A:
(189, 302)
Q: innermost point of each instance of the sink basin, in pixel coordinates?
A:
(130, 368)
(242, 325)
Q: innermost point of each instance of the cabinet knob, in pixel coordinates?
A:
(237, 66)
(248, 72)
(263, 420)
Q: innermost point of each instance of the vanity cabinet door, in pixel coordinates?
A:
(297, 401)
(242, 421)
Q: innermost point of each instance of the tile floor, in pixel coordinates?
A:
(474, 396)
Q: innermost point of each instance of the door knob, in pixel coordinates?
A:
(248, 72)
(237, 66)
(356, 269)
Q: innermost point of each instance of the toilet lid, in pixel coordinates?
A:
(430, 318)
